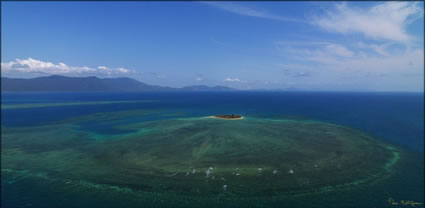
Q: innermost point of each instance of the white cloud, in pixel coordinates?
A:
(123, 70)
(386, 21)
(30, 65)
(248, 11)
(232, 80)
(199, 79)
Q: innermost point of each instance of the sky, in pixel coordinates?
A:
(325, 46)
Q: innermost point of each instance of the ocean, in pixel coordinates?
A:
(46, 138)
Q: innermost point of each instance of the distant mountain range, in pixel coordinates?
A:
(56, 83)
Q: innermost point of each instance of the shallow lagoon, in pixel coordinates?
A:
(105, 154)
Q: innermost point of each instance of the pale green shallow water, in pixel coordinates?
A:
(198, 157)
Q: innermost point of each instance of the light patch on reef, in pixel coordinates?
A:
(226, 118)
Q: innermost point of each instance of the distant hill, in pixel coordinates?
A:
(56, 83)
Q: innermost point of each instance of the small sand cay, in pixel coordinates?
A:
(228, 117)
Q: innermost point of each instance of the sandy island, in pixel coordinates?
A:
(228, 117)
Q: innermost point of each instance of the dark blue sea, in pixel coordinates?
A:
(396, 118)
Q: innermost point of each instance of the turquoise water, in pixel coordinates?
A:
(41, 124)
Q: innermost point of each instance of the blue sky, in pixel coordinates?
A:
(352, 46)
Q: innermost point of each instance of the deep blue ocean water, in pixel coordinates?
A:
(397, 118)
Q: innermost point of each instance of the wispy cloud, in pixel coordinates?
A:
(248, 11)
(385, 21)
(232, 80)
(322, 52)
(324, 60)
(380, 49)
(34, 66)
(338, 50)
(381, 58)
(296, 70)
